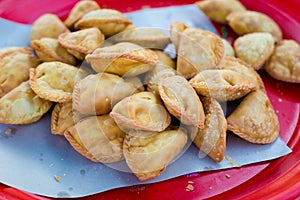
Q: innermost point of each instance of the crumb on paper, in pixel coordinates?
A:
(238, 165)
(146, 7)
(190, 182)
(65, 174)
(57, 178)
(227, 175)
(8, 131)
(231, 161)
(207, 167)
(190, 186)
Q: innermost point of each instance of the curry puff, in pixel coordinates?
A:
(97, 138)
(144, 36)
(284, 63)
(243, 22)
(181, 100)
(212, 138)
(22, 106)
(47, 25)
(108, 21)
(97, 93)
(255, 119)
(176, 29)
(80, 43)
(198, 50)
(124, 59)
(14, 68)
(218, 10)
(149, 153)
(80, 9)
(254, 48)
(223, 85)
(49, 49)
(141, 111)
(55, 81)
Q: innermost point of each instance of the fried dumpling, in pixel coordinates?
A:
(146, 37)
(80, 9)
(22, 106)
(181, 100)
(254, 48)
(223, 85)
(97, 93)
(55, 81)
(141, 111)
(14, 68)
(198, 50)
(149, 153)
(164, 59)
(228, 49)
(47, 25)
(212, 138)
(243, 22)
(49, 49)
(124, 59)
(80, 43)
(254, 119)
(4, 51)
(218, 10)
(108, 21)
(284, 63)
(176, 29)
(97, 138)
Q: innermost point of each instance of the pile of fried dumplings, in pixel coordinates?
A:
(130, 100)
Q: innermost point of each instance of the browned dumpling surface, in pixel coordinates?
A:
(284, 64)
(146, 37)
(108, 21)
(243, 22)
(223, 85)
(97, 138)
(141, 111)
(97, 93)
(63, 116)
(80, 9)
(55, 81)
(228, 49)
(80, 43)
(176, 29)
(124, 59)
(198, 50)
(212, 138)
(254, 48)
(4, 51)
(181, 100)
(47, 25)
(14, 68)
(254, 119)
(22, 106)
(49, 49)
(164, 59)
(218, 10)
(149, 153)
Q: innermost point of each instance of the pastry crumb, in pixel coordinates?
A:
(57, 178)
(146, 7)
(238, 165)
(227, 175)
(8, 131)
(231, 161)
(189, 187)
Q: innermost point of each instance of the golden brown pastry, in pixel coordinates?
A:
(80, 9)
(136, 81)
(228, 49)
(63, 116)
(146, 37)
(254, 48)
(22, 106)
(198, 50)
(141, 111)
(97, 93)
(124, 59)
(97, 138)
(108, 21)
(254, 119)
(243, 22)
(181, 100)
(14, 68)
(212, 138)
(47, 25)
(149, 153)
(4, 51)
(81, 43)
(55, 81)
(223, 85)
(284, 63)
(49, 49)
(176, 29)
(164, 59)
(218, 10)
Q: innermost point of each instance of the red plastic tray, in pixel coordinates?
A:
(277, 179)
